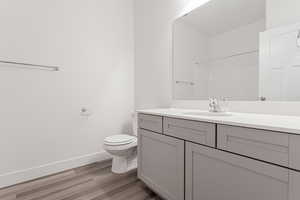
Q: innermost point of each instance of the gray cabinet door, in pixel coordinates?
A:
(216, 175)
(294, 154)
(161, 164)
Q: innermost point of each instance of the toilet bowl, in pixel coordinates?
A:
(123, 149)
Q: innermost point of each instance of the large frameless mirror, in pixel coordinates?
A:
(216, 51)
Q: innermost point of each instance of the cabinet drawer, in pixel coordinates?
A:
(264, 145)
(150, 122)
(198, 132)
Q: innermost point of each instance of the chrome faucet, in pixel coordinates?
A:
(215, 105)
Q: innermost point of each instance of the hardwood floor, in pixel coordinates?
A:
(91, 182)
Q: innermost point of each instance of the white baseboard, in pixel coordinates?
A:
(51, 168)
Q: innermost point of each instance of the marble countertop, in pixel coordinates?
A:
(288, 124)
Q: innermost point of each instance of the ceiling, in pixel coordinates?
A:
(219, 16)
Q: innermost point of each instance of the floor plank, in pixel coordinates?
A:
(91, 182)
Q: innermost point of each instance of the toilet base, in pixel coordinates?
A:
(122, 164)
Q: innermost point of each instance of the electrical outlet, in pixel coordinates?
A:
(85, 112)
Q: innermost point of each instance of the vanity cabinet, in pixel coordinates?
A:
(161, 164)
(217, 175)
(184, 159)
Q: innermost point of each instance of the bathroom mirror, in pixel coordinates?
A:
(216, 51)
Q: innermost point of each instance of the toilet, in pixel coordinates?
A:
(123, 149)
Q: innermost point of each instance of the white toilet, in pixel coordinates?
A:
(123, 149)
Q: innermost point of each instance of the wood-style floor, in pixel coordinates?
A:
(91, 182)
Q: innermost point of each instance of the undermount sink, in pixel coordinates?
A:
(206, 113)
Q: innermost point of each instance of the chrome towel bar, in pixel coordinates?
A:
(30, 66)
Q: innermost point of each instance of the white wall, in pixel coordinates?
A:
(153, 55)
(242, 70)
(241, 39)
(153, 30)
(282, 12)
(41, 128)
(190, 55)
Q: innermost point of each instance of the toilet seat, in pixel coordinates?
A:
(120, 147)
(118, 140)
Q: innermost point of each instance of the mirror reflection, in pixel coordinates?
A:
(216, 51)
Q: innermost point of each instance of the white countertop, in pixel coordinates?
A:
(288, 124)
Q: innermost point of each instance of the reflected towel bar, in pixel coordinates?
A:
(31, 66)
(185, 82)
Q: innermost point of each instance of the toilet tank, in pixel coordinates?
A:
(134, 123)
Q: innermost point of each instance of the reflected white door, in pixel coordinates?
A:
(280, 64)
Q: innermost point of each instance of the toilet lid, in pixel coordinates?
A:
(119, 139)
